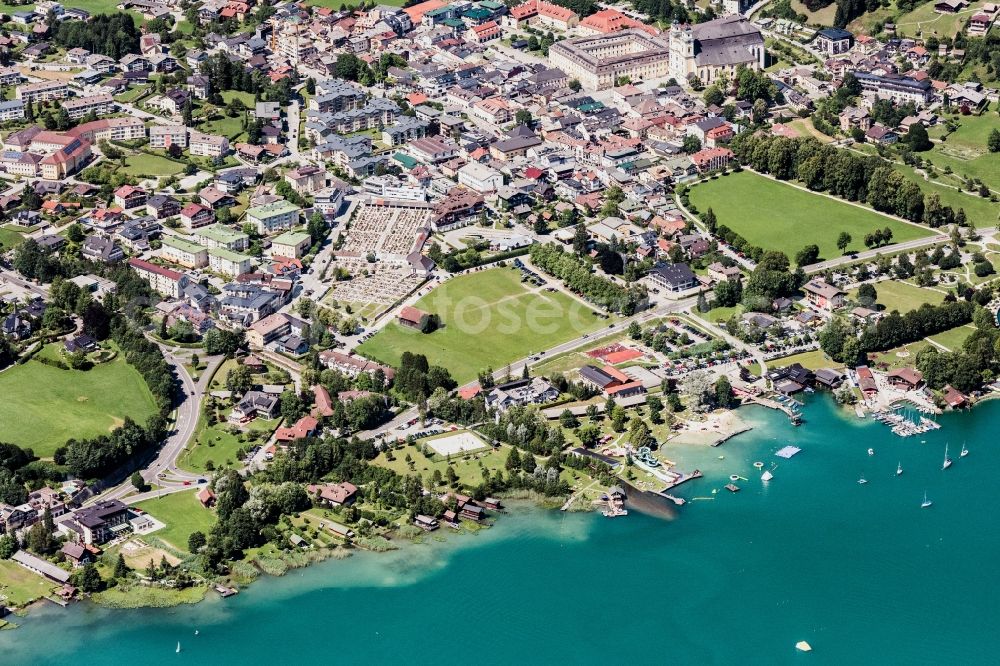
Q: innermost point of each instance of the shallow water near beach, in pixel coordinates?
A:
(861, 572)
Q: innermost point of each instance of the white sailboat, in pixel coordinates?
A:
(899, 468)
(947, 460)
(871, 452)
(178, 647)
(766, 476)
(926, 503)
(964, 452)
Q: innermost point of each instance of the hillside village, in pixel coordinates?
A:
(375, 271)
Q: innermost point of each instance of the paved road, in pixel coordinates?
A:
(185, 424)
(12, 277)
(871, 254)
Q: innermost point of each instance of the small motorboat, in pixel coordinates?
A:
(862, 480)
(871, 452)
(899, 468)
(802, 646)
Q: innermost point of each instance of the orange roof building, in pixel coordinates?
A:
(545, 13)
(607, 21)
(416, 12)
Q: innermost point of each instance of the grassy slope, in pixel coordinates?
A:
(183, 514)
(489, 319)
(43, 406)
(923, 21)
(777, 216)
(965, 149)
(980, 212)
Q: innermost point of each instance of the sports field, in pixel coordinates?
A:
(44, 406)
(456, 444)
(778, 216)
(489, 319)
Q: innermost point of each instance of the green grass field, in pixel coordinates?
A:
(144, 165)
(964, 150)
(183, 514)
(812, 360)
(953, 338)
(903, 296)
(10, 237)
(777, 216)
(219, 446)
(489, 320)
(467, 466)
(980, 212)
(924, 21)
(231, 128)
(18, 586)
(822, 16)
(44, 406)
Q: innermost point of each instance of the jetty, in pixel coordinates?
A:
(679, 501)
(225, 592)
(785, 404)
(902, 426)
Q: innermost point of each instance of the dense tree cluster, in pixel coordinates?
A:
(246, 518)
(840, 341)
(416, 379)
(476, 254)
(976, 363)
(576, 274)
(113, 35)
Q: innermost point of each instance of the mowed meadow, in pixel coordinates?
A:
(489, 319)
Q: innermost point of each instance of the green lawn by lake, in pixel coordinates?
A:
(812, 360)
(489, 320)
(19, 586)
(182, 513)
(777, 216)
(44, 406)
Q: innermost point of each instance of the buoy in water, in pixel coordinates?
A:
(758, 464)
(734, 477)
(803, 646)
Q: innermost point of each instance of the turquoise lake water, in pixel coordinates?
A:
(861, 572)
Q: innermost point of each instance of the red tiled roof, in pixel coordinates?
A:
(143, 265)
